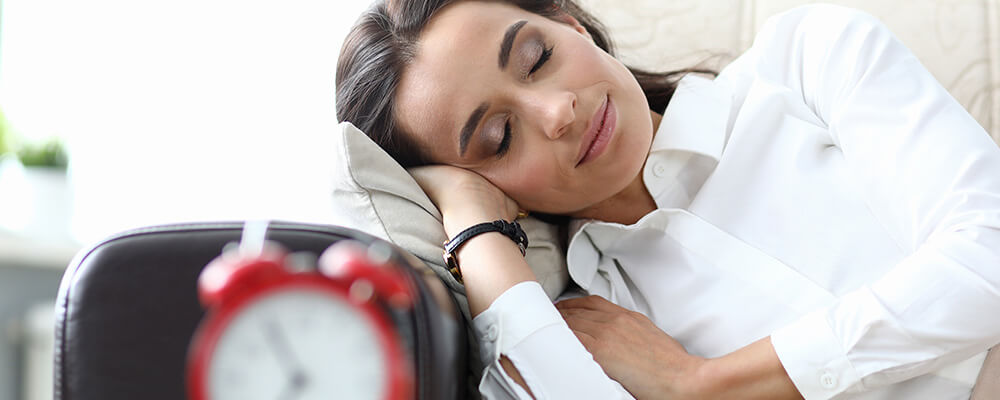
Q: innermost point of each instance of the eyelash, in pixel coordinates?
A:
(546, 53)
(505, 142)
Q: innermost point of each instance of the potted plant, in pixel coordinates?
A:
(48, 154)
(34, 193)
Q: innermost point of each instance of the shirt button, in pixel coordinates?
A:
(659, 170)
(491, 333)
(828, 380)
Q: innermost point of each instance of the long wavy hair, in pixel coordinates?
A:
(383, 42)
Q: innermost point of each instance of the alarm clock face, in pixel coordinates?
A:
(297, 343)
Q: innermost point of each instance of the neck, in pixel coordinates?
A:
(626, 207)
(629, 205)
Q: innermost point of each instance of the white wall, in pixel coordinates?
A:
(180, 110)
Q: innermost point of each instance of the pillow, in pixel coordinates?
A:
(377, 196)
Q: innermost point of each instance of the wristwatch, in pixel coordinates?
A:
(510, 229)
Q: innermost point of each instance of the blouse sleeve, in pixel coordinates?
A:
(927, 171)
(523, 325)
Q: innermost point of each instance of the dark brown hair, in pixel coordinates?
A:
(383, 43)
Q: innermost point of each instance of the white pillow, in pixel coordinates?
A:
(377, 196)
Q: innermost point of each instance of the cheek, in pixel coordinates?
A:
(582, 58)
(529, 182)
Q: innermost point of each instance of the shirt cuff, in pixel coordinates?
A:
(498, 332)
(524, 325)
(813, 357)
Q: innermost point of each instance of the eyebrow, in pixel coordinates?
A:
(470, 127)
(508, 42)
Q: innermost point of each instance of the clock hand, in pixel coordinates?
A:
(294, 387)
(299, 381)
(281, 348)
(278, 343)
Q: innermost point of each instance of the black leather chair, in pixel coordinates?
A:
(127, 309)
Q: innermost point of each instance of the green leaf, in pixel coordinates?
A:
(49, 154)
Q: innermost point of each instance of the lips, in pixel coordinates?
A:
(598, 133)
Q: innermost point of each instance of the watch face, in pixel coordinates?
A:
(298, 344)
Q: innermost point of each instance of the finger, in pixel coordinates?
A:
(593, 328)
(591, 302)
(586, 340)
(586, 313)
(424, 176)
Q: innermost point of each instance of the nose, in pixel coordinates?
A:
(553, 111)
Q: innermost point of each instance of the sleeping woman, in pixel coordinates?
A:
(820, 219)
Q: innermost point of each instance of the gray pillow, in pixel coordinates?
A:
(377, 196)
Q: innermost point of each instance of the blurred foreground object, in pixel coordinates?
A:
(128, 309)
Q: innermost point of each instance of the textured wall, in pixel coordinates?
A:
(958, 40)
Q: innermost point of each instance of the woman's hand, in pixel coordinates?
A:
(632, 350)
(464, 197)
(491, 264)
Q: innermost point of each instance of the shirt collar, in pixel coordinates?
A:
(696, 119)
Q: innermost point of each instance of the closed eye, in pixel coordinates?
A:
(505, 142)
(546, 54)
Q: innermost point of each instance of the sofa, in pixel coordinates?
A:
(957, 40)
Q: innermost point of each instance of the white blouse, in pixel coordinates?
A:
(824, 190)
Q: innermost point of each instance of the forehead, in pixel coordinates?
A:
(454, 67)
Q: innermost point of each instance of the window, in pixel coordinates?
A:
(181, 110)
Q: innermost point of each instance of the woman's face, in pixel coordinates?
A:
(529, 103)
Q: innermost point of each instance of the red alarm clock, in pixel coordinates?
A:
(277, 331)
